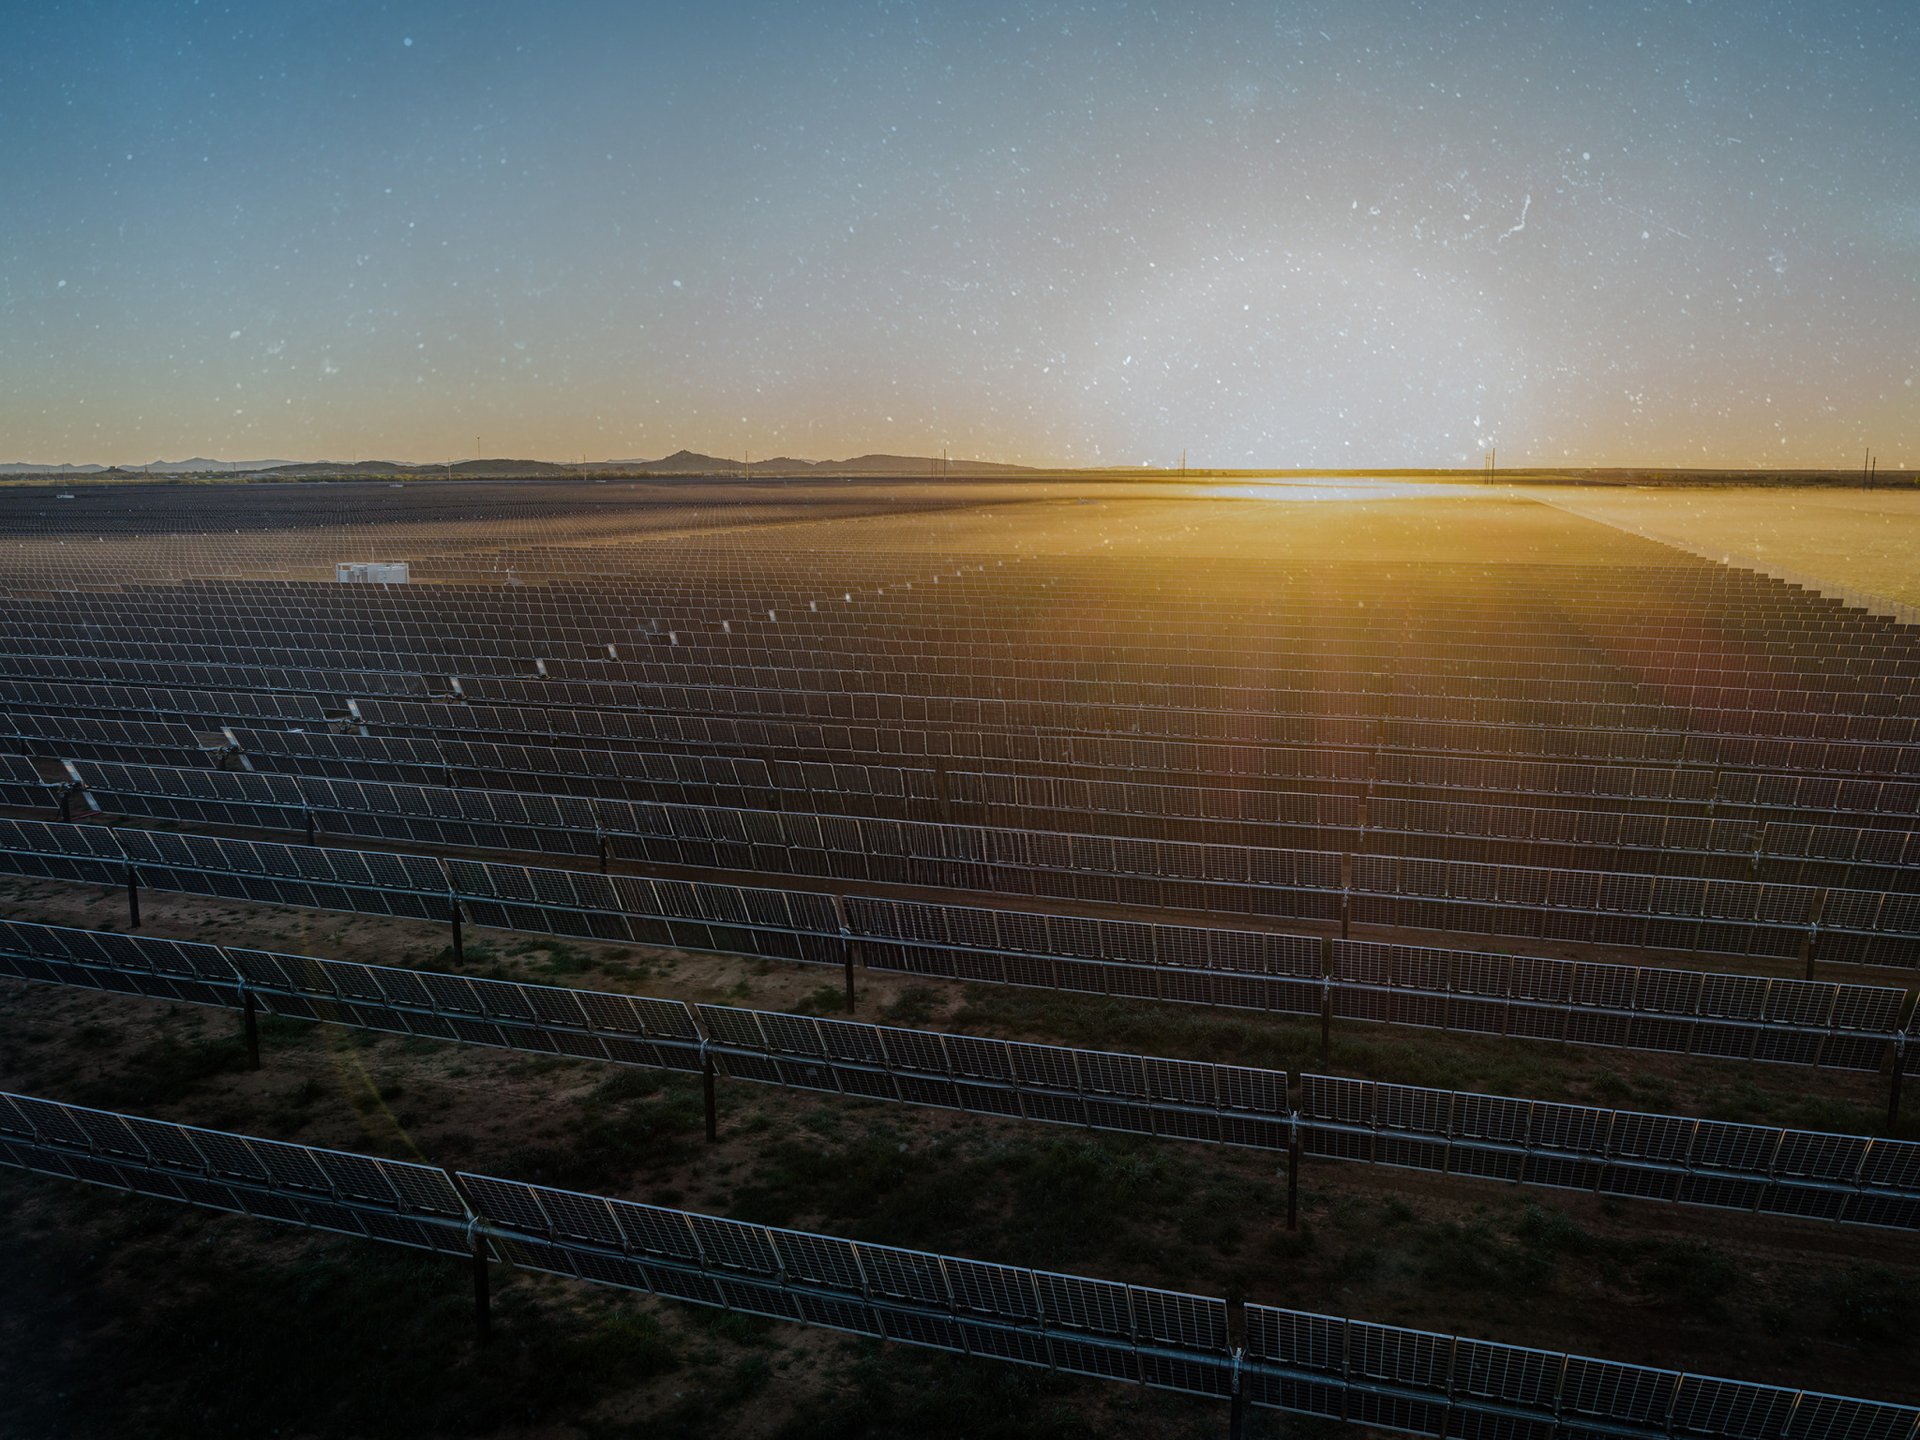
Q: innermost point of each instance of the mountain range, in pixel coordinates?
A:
(681, 462)
(198, 465)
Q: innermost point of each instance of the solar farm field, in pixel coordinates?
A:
(967, 959)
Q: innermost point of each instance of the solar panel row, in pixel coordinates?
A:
(1183, 874)
(1615, 1152)
(1410, 692)
(535, 712)
(1386, 1376)
(1433, 1384)
(1318, 605)
(111, 641)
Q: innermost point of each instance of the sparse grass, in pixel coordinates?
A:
(1868, 1305)
(159, 1072)
(634, 1121)
(1050, 1200)
(565, 960)
(1516, 1260)
(822, 1000)
(915, 1005)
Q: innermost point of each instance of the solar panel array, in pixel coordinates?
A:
(1017, 742)
(1768, 1169)
(1738, 1017)
(1385, 1376)
(1426, 722)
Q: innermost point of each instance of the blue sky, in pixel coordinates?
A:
(1279, 234)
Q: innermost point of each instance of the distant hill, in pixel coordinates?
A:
(915, 465)
(498, 469)
(200, 465)
(463, 469)
(691, 462)
(359, 467)
(681, 462)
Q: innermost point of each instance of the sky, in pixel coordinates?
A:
(1339, 234)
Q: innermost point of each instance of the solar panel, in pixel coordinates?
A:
(1095, 1307)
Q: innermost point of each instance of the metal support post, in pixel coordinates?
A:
(249, 1014)
(312, 829)
(482, 1290)
(453, 916)
(133, 897)
(1893, 1085)
(1812, 937)
(602, 842)
(707, 1089)
(1293, 1172)
(1326, 1021)
(849, 947)
(1237, 1405)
